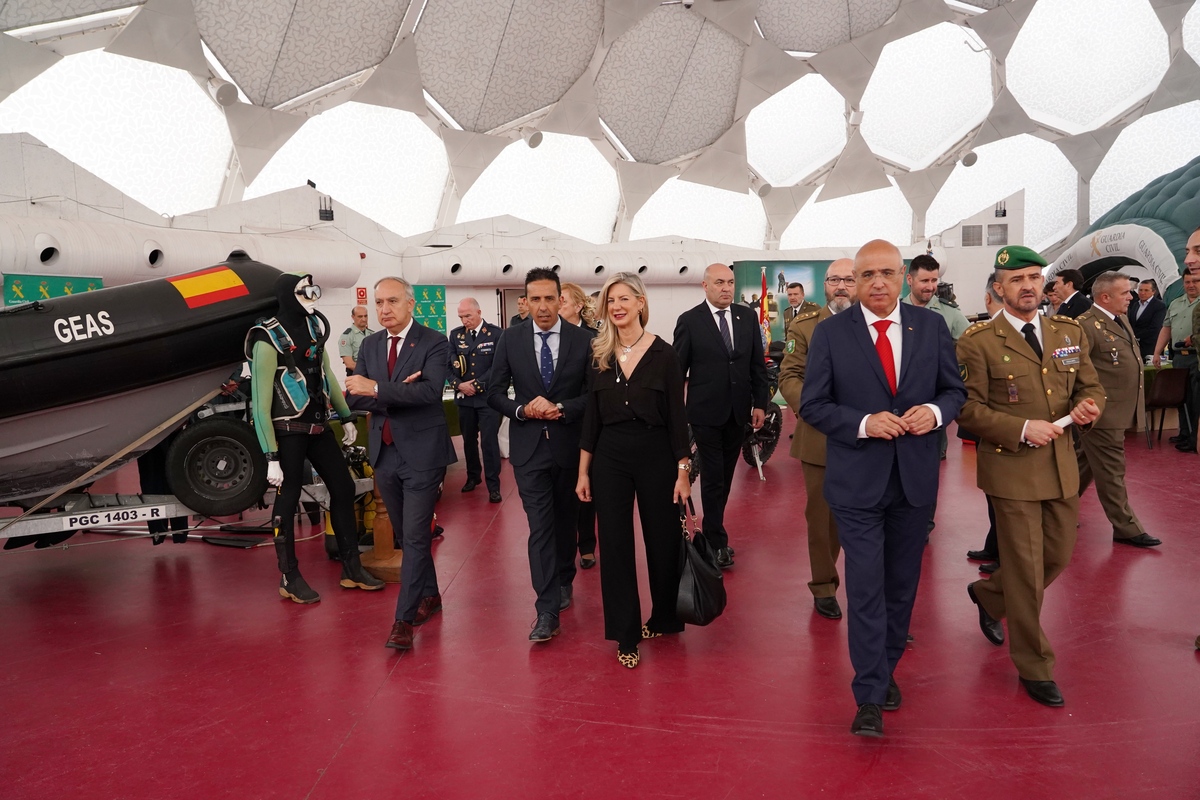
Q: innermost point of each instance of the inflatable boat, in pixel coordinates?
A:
(84, 376)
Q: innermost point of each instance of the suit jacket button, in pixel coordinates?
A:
(1072, 369)
(1044, 371)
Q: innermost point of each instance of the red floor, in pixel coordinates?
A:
(176, 671)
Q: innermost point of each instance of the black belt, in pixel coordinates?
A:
(298, 427)
(1185, 352)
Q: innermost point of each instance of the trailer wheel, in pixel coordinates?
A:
(216, 468)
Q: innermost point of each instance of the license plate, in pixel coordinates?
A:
(113, 516)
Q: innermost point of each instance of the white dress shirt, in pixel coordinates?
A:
(552, 340)
(895, 336)
(717, 320)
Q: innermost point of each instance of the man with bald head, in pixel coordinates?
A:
(352, 338)
(808, 443)
(720, 349)
(881, 378)
(472, 348)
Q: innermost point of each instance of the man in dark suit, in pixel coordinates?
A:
(721, 352)
(472, 348)
(1147, 317)
(398, 377)
(1074, 302)
(881, 378)
(546, 360)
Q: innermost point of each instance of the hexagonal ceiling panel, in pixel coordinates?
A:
(1076, 64)
(669, 85)
(21, 13)
(814, 25)
(927, 92)
(489, 62)
(796, 131)
(280, 49)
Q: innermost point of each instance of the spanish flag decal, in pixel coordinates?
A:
(209, 286)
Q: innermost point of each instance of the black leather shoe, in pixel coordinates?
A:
(1045, 692)
(1186, 447)
(893, 696)
(1141, 540)
(724, 557)
(991, 627)
(989, 568)
(564, 597)
(980, 555)
(545, 628)
(1177, 439)
(827, 607)
(588, 561)
(470, 485)
(868, 721)
(494, 497)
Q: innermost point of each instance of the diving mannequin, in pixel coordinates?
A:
(290, 396)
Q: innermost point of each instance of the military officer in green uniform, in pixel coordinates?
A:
(1113, 348)
(797, 305)
(1177, 332)
(1027, 376)
(808, 444)
(352, 338)
(472, 347)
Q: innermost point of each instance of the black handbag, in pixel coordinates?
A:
(701, 586)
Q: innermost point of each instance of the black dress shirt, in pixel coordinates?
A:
(652, 395)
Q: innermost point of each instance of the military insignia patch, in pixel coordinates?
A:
(1007, 358)
(962, 371)
(791, 346)
(1002, 257)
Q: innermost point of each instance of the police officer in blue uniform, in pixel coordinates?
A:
(472, 347)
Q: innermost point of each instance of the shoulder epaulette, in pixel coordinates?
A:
(1065, 318)
(807, 315)
(978, 326)
(347, 330)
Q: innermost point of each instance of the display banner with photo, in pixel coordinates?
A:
(430, 309)
(748, 281)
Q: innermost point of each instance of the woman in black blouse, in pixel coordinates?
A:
(635, 445)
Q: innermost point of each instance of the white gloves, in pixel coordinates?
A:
(349, 433)
(274, 474)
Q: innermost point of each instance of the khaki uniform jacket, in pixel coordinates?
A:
(1007, 385)
(808, 443)
(1115, 355)
(805, 308)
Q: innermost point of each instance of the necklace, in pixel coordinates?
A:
(625, 350)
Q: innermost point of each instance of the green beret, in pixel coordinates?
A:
(1017, 257)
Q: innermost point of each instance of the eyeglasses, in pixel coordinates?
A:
(309, 291)
(835, 281)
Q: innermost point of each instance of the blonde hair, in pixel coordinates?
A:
(604, 346)
(587, 312)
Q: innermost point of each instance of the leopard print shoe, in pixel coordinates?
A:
(649, 634)
(629, 660)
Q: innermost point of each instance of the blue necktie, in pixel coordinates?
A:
(547, 360)
(725, 330)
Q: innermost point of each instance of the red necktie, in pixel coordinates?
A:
(883, 346)
(387, 423)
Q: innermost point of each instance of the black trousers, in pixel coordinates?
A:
(587, 529)
(1191, 401)
(410, 495)
(325, 455)
(883, 546)
(477, 423)
(635, 462)
(719, 447)
(548, 494)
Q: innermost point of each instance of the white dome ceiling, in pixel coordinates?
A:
(735, 111)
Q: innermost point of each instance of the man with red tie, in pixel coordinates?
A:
(399, 377)
(882, 377)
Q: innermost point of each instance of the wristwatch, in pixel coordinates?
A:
(272, 456)
(686, 467)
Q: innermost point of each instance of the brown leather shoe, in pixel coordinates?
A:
(401, 637)
(428, 607)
